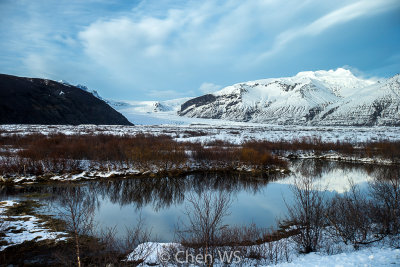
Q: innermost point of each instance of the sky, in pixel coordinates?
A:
(165, 49)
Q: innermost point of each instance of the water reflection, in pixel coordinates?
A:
(164, 192)
(160, 201)
(336, 175)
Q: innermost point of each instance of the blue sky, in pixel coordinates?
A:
(164, 49)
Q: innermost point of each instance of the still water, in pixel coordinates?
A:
(161, 202)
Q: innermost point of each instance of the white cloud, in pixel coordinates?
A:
(182, 41)
(207, 88)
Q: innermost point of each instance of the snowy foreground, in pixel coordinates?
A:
(365, 257)
(21, 228)
(211, 130)
(378, 255)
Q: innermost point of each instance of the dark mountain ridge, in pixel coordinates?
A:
(41, 101)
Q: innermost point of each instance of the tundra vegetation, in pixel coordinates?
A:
(58, 154)
(47, 155)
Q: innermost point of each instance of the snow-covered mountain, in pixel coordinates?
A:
(170, 106)
(142, 112)
(151, 112)
(334, 97)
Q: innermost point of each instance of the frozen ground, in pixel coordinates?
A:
(378, 255)
(366, 257)
(18, 229)
(220, 130)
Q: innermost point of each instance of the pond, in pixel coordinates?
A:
(161, 202)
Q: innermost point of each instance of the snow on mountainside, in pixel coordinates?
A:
(84, 88)
(156, 106)
(151, 112)
(331, 98)
(378, 104)
(137, 106)
(142, 112)
(334, 97)
(115, 104)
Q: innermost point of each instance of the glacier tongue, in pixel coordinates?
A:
(334, 97)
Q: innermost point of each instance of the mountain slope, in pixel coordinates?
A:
(309, 98)
(41, 101)
(378, 104)
(150, 112)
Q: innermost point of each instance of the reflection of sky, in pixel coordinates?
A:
(337, 179)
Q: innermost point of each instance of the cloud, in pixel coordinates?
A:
(207, 88)
(167, 94)
(133, 50)
(157, 47)
(178, 47)
(334, 18)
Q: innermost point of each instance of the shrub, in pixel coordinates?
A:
(353, 218)
(307, 213)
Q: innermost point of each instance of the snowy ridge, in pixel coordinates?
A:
(84, 88)
(334, 97)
